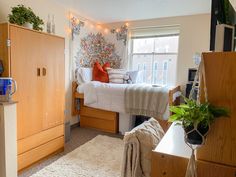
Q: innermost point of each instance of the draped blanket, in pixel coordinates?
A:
(144, 99)
(139, 144)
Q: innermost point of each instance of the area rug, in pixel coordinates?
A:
(100, 157)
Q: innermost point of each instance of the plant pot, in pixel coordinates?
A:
(196, 137)
(28, 25)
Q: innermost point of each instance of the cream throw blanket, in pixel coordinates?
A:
(139, 144)
(144, 99)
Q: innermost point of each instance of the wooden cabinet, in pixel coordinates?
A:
(171, 156)
(36, 61)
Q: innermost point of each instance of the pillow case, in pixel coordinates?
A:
(133, 76)
(116, 75)
(105, 66)
(99, 74)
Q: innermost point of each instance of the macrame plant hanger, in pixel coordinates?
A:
(192, 166)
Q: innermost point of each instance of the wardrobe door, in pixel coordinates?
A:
(25, 63)
(53, 70)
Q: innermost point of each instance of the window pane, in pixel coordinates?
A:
(167, 44)
(143, 63)
(145, 45)
(166, 69)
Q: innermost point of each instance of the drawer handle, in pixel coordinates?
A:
(44, 72)
(38, 72)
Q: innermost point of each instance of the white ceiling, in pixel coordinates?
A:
(107, 11)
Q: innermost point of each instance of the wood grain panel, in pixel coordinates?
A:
(171, 156)
(53, 91)
(97, 113)
(164, 165)
(100, 124)
(39, 139)
(26, 55)
(168, 166)
(4, 49)
(221, 86)
(34, 155)
(74, 105)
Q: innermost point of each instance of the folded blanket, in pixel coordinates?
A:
(144, 99)
(139, 144)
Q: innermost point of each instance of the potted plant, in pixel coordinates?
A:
(24, 16)
(196, 118)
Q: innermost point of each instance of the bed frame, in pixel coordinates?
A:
(106, 121)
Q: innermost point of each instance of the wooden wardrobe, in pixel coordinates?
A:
(36, 61)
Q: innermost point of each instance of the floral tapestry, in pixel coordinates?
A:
(94, 48)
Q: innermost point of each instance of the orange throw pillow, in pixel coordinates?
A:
(105, 66)
(99, 74)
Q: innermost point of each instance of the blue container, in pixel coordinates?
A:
(6, 86)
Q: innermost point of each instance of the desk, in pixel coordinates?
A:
(170, 158)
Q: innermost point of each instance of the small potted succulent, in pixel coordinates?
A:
(24, 16)
(196, 119)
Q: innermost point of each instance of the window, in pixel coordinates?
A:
(156, 56)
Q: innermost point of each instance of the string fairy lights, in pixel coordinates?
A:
(77, 22)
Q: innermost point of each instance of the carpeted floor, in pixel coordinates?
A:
(79, 136)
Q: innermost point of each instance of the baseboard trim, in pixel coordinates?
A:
(75, 125)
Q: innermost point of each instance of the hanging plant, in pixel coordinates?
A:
(22, 15)
(196, 118)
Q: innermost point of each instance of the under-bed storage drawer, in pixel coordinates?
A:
(106, 121)
(91, 112)
(100, 124)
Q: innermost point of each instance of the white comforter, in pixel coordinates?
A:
(104, 96)
(107, 96)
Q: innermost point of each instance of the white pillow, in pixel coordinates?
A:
(84, 75)
(133, 75)
(116, 75)
(116, 81)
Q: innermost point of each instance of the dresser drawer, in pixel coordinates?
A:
(28, 158)
(39, 138)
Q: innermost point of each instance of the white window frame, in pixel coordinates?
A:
(153, 54)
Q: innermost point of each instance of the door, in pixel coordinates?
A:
(53, 70)
(25, 62)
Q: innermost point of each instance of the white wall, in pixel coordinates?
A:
(194, 37)
(42, 8)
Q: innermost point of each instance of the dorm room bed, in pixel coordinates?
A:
(104, 114)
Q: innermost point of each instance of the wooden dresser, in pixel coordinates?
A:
(36, 61)
(171, 156)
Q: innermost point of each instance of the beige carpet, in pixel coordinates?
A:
(100, 157)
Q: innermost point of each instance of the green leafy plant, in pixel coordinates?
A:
(21, 15)
(192, 113)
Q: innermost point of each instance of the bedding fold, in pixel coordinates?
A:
(144, 99)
